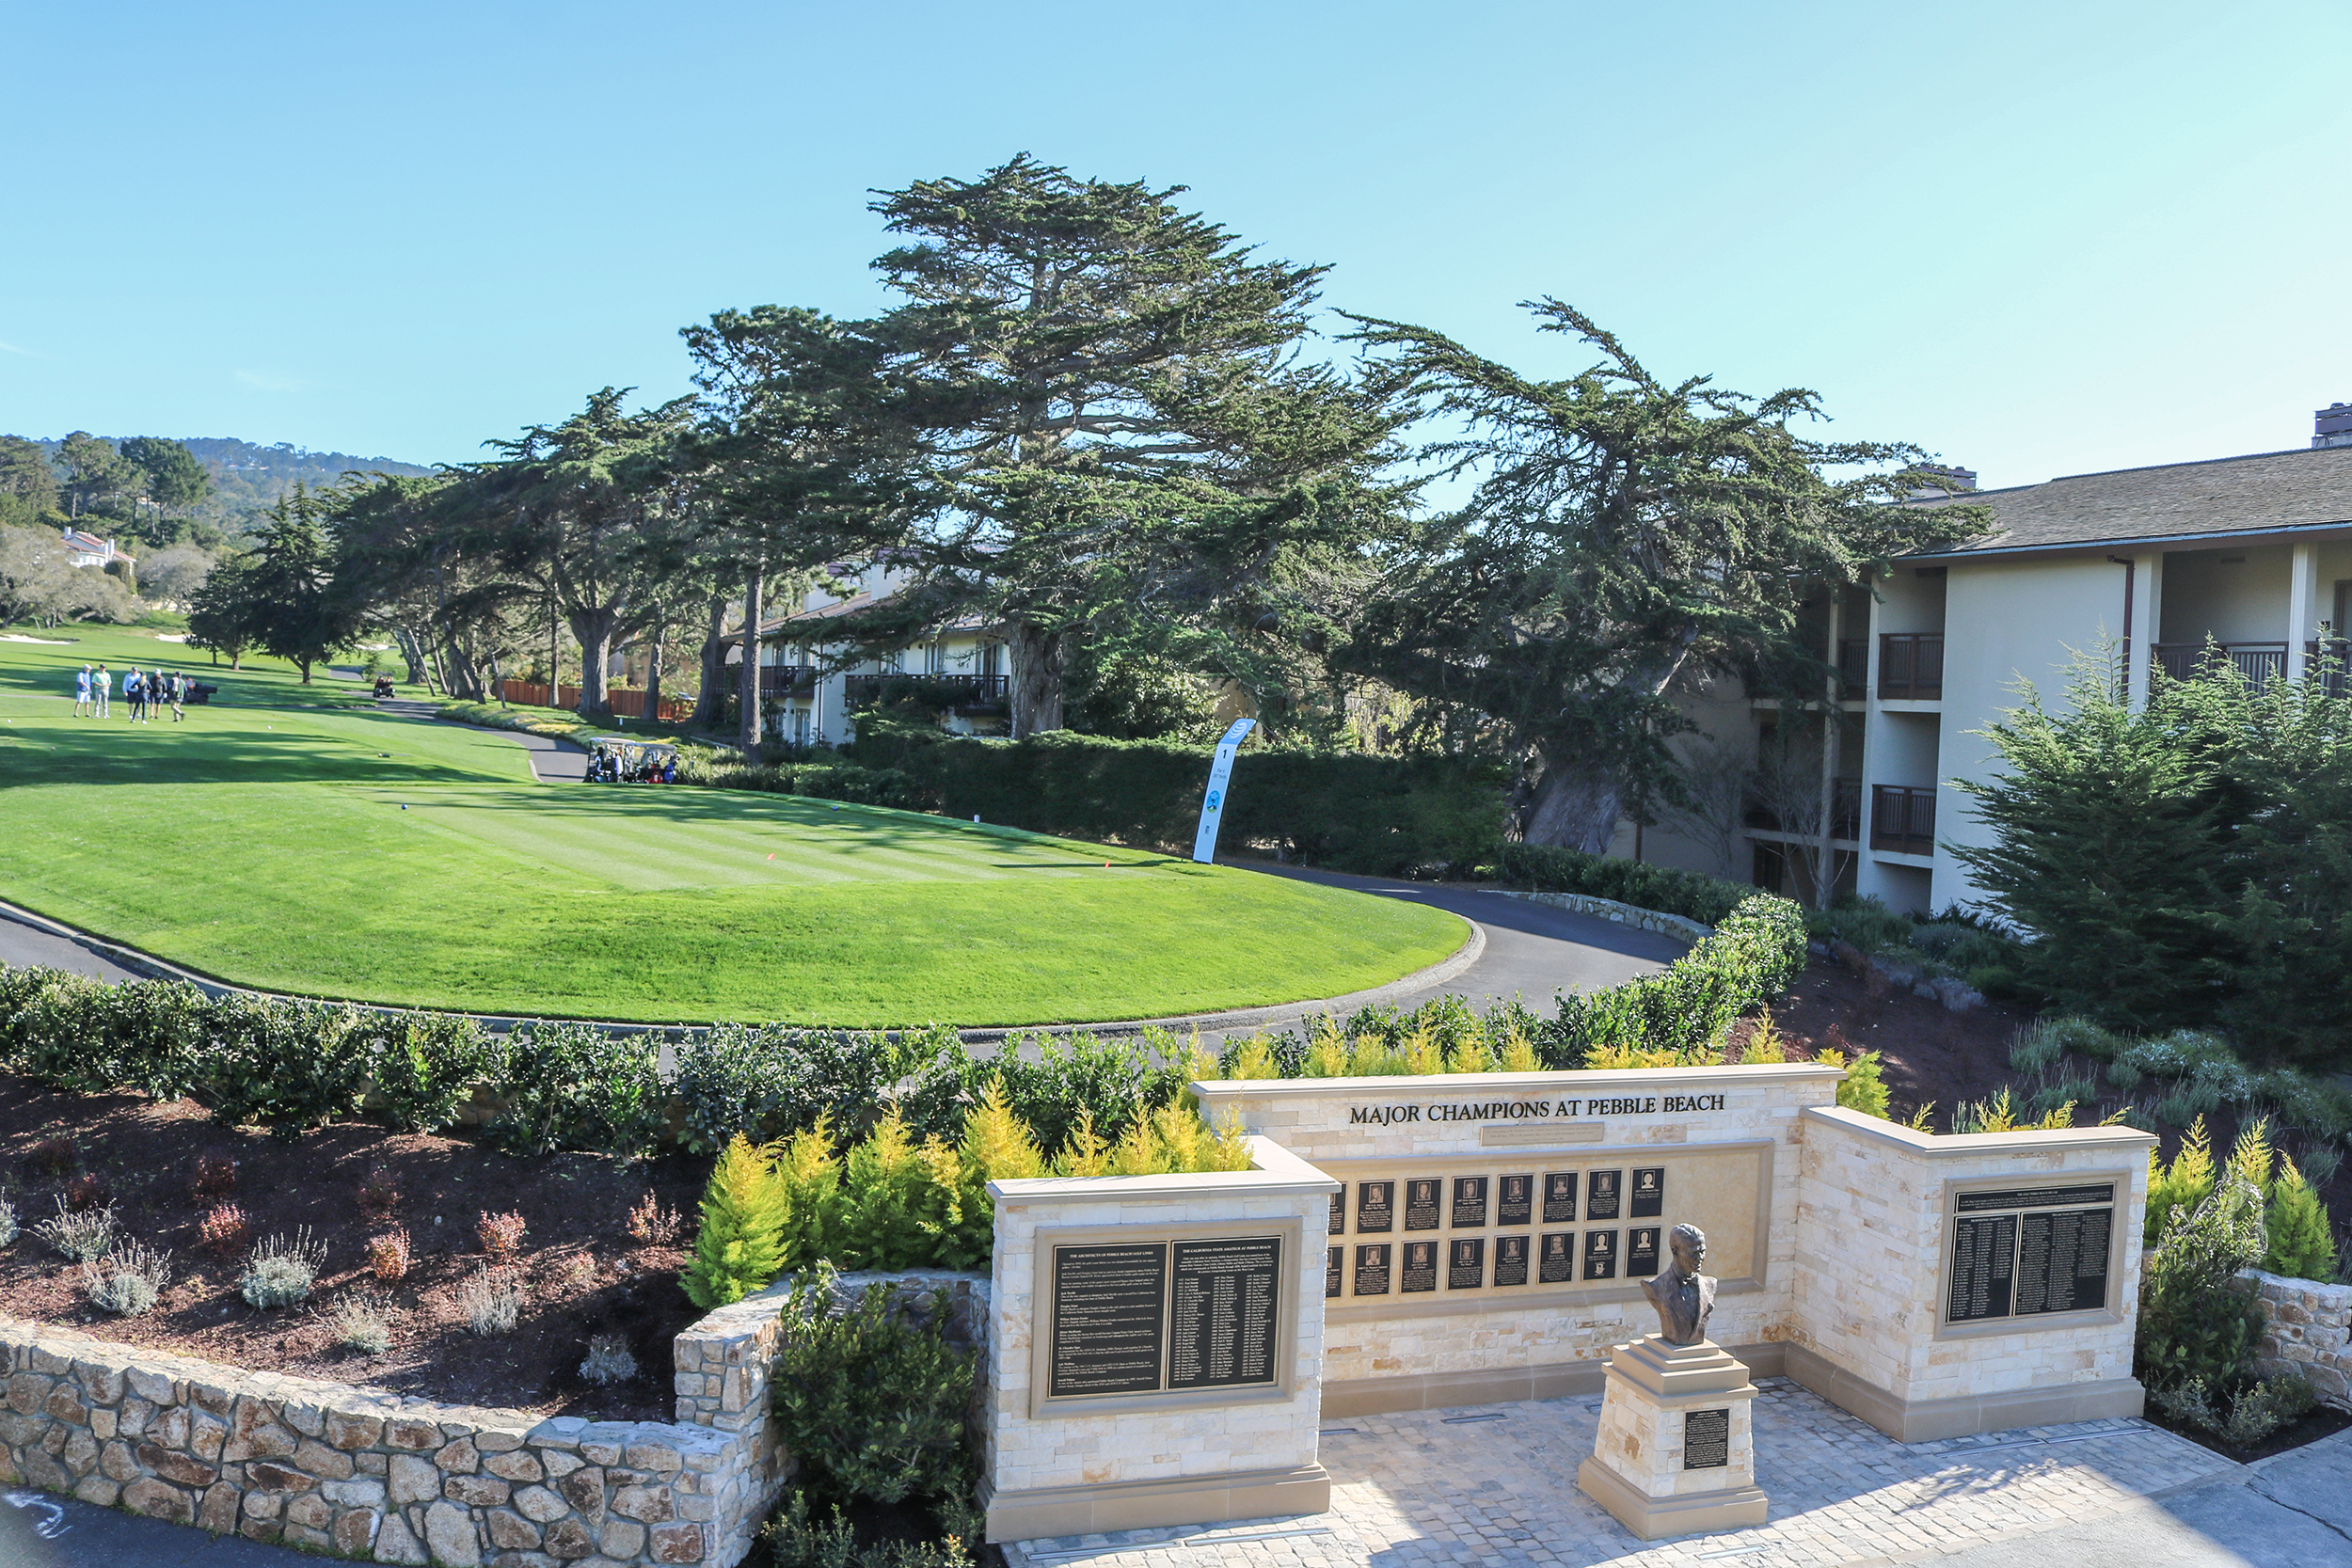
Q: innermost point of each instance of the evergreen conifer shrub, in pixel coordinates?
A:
(739, 1248)
(2302, 1244)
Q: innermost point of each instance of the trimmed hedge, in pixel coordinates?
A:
(1551, 869)
(1687, 1008)
(1380, 816)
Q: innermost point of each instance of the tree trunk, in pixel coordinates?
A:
(1037, 678)
(711, 702)
(754, 587)
(497, 679)
(593, 630)
(653, 676)
(1577, 804)
(408, 655)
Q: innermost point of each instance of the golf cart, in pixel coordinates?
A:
(611, 760)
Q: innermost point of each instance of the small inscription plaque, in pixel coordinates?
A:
(1470, 1202)
(1371, 1269)
(1108, 1305)
(1641, 1252)
(1420, 1266)
(1339, 1214)
(1984, 1253)
(1334, 1270)
(1558, 1266)
(1559, 1198)
(1421, 1204)
(1466, 1264)
(1600, 1254)
(1649, 1193)
(1510, 1259)
(1375, 1206)
(1706, 1439)
(2035, 1197)
(1222, 1331)
(1603, 1190)
(1515, 1199)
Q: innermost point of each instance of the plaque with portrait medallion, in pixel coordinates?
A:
(1557, 1265)
(1337, 1225)
(1371, 1269)
(1641, 1251)
(1466, 1264)
(1515, 1199)
(1375, 1206)
(1334, 1270)
(1648, 1198)
(1603, 1190)
(1510, 1259)
(1470, 1202)
(1420, 1202)
(1600, 1254)
(1559, 1198)
(1419, 1270)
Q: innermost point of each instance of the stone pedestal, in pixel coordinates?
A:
(1676, 1449)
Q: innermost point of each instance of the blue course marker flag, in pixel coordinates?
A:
(1213, 803)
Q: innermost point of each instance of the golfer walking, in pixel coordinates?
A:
(100, 684)
(81, 692)
(179, 694)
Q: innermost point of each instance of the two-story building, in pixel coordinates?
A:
(2253, 553)
(959, 670)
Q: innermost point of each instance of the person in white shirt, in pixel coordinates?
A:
(101, 683)
(81, 693)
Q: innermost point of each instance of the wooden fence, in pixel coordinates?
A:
(628, 703)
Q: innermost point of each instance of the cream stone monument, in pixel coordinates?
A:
(1676, 1453)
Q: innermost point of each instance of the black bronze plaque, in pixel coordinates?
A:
(1466, 1264)
(1515, 1199)
(1641, 1252)
(1375, 1207)
(1339, 1214)
(1222, 1328)
(1649, 1193)
(1371, 1269)
(1706, 1439)
(1420, 1266)
(1603, 1189)
(1108, 1305)
(1558, 1265)
(1420, 1203)
(1600, 1254)
(1334, 1270)
(2035, 1197)
(1470, 1202)
(1510, 1259)
(2062, 1261)
(1984, 1252)
(1559, 1197)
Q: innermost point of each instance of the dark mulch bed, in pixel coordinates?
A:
(2311, 1427)
(582, 1273)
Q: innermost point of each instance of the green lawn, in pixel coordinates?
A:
(283, 840)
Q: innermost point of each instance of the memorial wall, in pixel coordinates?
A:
(1166, 1347)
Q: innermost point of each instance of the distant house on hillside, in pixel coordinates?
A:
(88, 550)
(2243, 560)
(959, 671)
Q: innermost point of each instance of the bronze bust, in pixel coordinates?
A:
(1684, 1297)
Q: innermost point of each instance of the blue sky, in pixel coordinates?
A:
(2038, 239)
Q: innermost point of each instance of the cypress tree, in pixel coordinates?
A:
(2182, 1184)
(2302, 1243)
(739, 1248)
(810, 1174)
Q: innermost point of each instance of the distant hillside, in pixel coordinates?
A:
(247, 478)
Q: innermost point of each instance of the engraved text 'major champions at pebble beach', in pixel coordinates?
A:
(1525, 1110)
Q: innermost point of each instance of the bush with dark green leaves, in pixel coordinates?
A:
(872, 1403)
(1553, 868)
(1688, 1006)
(768, 1083)
(574, 1086)
(2193, 1326)
(1350, 810)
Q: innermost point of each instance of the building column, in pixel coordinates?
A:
(2302, 607)
(2141, 631)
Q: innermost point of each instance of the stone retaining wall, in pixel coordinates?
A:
(368, 1474)
(2307, 1328)
(1623, 914)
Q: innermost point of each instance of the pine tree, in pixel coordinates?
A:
(884, 1186)
(2182, 1184)
(2302, 1242)
(2250, 1156)
(810, 1174)
(1088, 1154)
(739, 1248)
(998, 1147)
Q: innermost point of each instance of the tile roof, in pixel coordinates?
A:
(2263, 492)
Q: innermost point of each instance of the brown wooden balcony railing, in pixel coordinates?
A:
(1902, 819)
(1911, 665)
(2257, 662)
(1853, 666)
